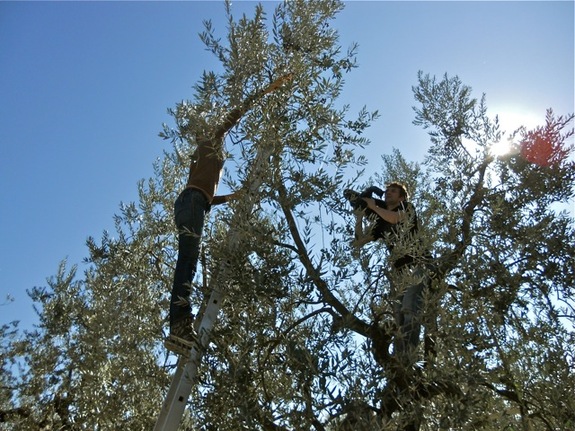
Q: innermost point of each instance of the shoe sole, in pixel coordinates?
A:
(180, 346)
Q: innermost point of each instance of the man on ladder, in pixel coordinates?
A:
(190, 209)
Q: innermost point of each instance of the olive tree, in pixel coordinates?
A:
(304, 339)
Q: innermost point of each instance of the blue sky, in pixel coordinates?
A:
(85, 86)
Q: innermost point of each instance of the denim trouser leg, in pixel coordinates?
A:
(407, 313)
(189, 212)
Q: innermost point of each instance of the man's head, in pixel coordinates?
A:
(395, 193)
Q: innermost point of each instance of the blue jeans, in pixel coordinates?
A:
(408, 285)
(189, 212)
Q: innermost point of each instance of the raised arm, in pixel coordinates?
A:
(235, 114)
(360, 237)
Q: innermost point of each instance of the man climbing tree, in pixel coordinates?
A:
(191, 207)
(394, 220)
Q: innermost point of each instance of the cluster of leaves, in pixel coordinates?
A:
(95, 349)
(504, 313)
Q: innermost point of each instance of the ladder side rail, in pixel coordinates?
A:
(178, 394)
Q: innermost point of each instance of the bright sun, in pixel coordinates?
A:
(510, 119)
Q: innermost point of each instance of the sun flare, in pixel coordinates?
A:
(511, 119)
(501, 148)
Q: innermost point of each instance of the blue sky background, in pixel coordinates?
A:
(84, 89)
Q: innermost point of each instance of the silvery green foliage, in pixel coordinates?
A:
(304, 337)
(96, 348)
(501, 316)
(95, 360)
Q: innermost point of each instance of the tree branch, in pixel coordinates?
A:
(450, 260)
(349, 318)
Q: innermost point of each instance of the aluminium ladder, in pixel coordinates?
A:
(187, 369)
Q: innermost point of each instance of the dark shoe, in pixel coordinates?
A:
(182, 336)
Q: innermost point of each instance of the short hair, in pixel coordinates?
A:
(402, 189)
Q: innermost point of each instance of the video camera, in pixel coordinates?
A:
(355, 198)
(379, 226)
